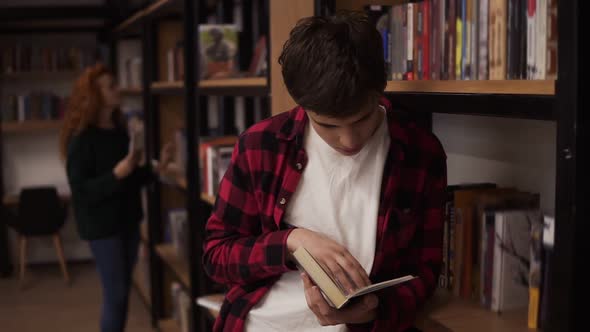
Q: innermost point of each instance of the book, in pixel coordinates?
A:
(332, 290)
(219, 46)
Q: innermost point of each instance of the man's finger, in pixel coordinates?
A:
(320, 303)
(341, 277)
(356, 272)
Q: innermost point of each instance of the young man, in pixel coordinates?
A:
(342, 176)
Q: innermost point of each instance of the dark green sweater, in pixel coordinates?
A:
(103, 205)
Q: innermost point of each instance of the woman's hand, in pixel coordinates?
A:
(342, 266)
(166, 156)
(126, 165)
(363, 311)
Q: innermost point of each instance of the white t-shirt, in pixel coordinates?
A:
(337, 196)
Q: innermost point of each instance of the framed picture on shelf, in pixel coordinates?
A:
(219, 46)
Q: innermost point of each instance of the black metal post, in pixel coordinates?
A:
(194, 208)
(562, 289)
(151, 116)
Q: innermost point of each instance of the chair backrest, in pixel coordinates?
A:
(40, 211)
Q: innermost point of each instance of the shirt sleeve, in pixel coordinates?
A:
(141, 176)
(83, 183)
(236, 251)
(399, 305)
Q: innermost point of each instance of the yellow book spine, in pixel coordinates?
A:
(533, 318)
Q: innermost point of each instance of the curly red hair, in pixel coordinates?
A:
(83, 106)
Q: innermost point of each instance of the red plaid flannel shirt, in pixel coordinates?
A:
(245, 246)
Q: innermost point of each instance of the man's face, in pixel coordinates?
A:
(347, 135)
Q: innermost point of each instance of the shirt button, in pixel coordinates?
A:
(298, 166)
(283, 201)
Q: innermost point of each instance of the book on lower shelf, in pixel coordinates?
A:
(330, 287)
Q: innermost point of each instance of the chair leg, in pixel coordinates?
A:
(23, 258)
(62, 260)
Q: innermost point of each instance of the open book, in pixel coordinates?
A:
(331, 288)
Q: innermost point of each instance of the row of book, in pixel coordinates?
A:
(27, 58)
(32, 106)
(492, 249)
(469, 39)
(218, 55)
(214, 157)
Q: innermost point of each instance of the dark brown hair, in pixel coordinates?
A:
(334, 65)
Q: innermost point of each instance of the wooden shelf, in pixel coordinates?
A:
(41, 75)
(158, 8)
(178, 265)
(212, 303)
(510, 87)
(31, 126)
(359, 4)
(254, 86)
(168, 325)
(141, 287)
(458, 315)
(131, 91)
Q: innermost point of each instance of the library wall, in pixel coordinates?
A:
(32, 158)
(508, 152)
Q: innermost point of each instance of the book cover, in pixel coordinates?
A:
(333, 292)
(219, 45)
(510, 289)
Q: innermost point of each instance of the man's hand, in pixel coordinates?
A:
(363, 311)
(340, 263)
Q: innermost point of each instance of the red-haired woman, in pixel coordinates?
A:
(105, 180)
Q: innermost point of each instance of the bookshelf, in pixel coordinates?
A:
(180, 267)
(507, 87)
(250, 86)
(173, 103)
(170, 105)
(31, 127)
(548, 100)
(131, 91)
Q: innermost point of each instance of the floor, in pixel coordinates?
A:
(45, 303)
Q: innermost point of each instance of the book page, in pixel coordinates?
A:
(381, 285)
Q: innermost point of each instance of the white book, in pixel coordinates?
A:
(511, 250)
(531, 40)
(541, 43)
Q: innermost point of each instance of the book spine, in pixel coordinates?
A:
(426, 36)
(551, 60)
(410, 42)
(541, 53)
(474, 39)
(482, 71)
(531, 46)
(459, 39)
(418, 35)
(434, 40)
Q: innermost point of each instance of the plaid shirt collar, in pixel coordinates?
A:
(294, 128)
